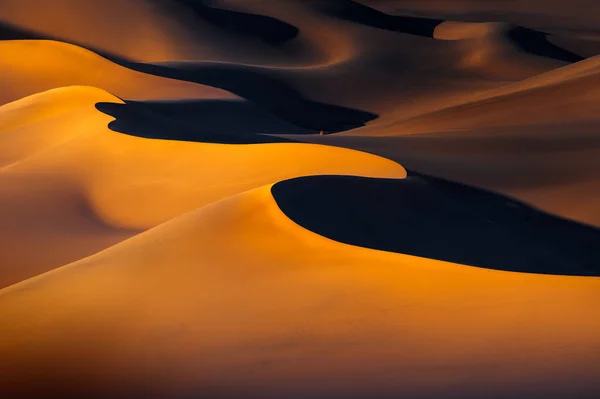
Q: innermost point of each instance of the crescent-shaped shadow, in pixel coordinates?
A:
(438, 219)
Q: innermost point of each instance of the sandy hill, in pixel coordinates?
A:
(235, 297)
(438, 219)
(563, 96)
(31, 66)
(229, 199)
(546, 127)
(71, 186)
(156, 30)
(320, 45)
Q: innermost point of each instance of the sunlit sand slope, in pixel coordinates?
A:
(236, 299)
(438, 219)
(70, 186)
(158, 30)
(31, 66)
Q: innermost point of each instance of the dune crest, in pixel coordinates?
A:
(227, 199)
(502, 51)
(32, 66)
(437, 219)
(63, 162)
(299, 292)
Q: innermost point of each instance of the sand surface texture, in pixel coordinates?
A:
(227, 199)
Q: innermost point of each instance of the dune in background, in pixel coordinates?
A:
(32, 66)
(299, 198)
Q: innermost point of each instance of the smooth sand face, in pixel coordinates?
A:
(143, 267)
(64, 177)
(237, 298)
(32, 66)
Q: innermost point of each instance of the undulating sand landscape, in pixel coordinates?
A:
(279, 199)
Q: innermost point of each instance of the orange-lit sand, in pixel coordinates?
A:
(65, 192)
(235, 299)
(157, 239)
(32, 66)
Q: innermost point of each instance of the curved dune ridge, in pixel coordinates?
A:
(183, 30)
(436, 219)
(210, 199)
(152, 314)
(32, 66)
(504, 51)
(63, 163)
(562, 96)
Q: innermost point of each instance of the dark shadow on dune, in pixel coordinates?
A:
(208, 121)
(352, 11)
(12, 32)
(260, 87)
(256, 84)
(528, 40)
(265, 28)
(537, 43)
(438, 219)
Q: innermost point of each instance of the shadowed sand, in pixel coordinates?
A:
(32, 66)
(210, 121)
(437, 219)
(261, 87)
(154, 315)
(267, 29)
(72, 187)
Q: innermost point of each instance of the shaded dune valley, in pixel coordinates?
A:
(280, 199)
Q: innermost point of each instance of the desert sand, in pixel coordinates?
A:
(299, 198)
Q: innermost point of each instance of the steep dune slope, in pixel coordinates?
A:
(416, 71)
(44, 120)
(159, 30)
(235, 299)
(46, 219)
(438, 219)
(186, 210)
(316, 47)
(132, 27)
(538, 13)
(564, 96)
(71, 186)
(503, 51)
(536, 140)
(554, 168)
(31, 66)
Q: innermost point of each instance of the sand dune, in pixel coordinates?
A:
(544, 100)
(437, 219)
(336, 48)
(134, 28)
(210, 199)
(63, 176)
(297, 306)
(29, 67)
(409, 63)
(178, 30)
(212, 121)
(557, 164)
(503, 51)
